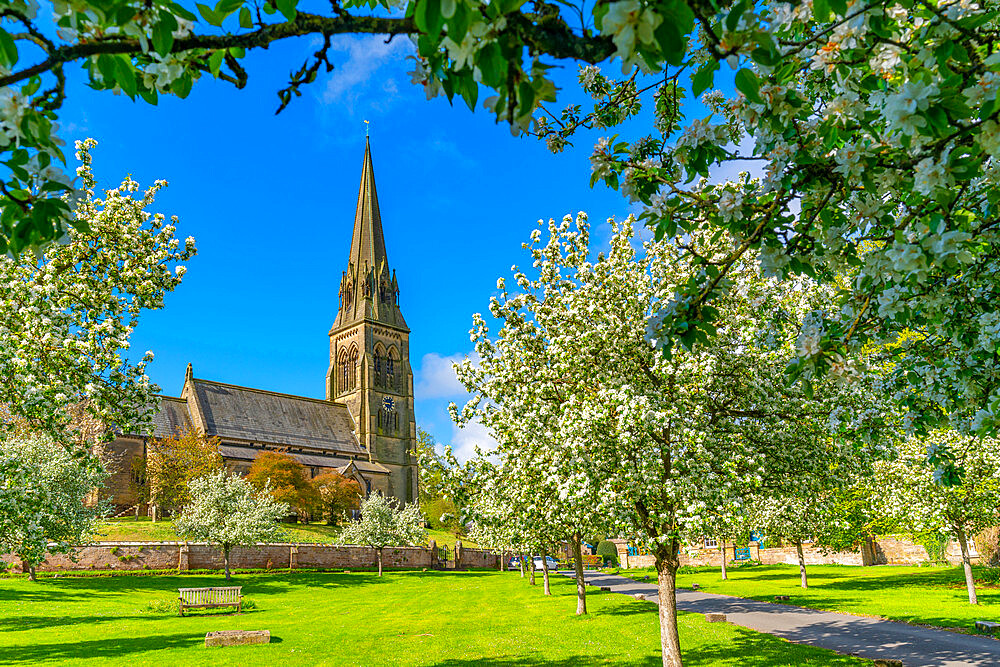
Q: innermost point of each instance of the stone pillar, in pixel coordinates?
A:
(458, 555)
(432, 545)
(184, 558)
(293, 557)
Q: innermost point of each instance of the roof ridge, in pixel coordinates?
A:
(272, 393)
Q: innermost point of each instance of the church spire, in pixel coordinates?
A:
(368, 288)
(367, 243)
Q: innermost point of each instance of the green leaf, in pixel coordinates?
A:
(215, 62)
(526, 98)
(508, 6)
(8, 49)
(702, 79)
(821, 10)
(287, 8)
(209, 14)
(747, 83)
(182, 86)
(491, 64)
(428, 17)
(735, 14)
(237, 52)
(125, 76)
(175, 9)
(106, 66)
(839, 6)
(163, 33)
(458, 24)
(246, 21)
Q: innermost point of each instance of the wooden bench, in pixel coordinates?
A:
(210, 598)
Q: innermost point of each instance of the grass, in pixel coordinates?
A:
(922, 595)
(404, 618)
(143, 530)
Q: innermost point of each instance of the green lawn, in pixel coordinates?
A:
(926, 595)
(143, 530)
(404, 618)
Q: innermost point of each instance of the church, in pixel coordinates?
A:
(364, 428)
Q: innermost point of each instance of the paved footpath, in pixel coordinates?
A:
(865, 637)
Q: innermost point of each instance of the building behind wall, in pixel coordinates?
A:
(363, 429)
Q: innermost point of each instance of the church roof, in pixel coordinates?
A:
(242, 413)
(172, 418)
(306, 459)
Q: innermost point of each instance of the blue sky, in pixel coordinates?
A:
(270, 200)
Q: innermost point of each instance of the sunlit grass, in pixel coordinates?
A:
(404, 618)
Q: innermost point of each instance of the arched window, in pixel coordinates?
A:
(379, 367)
(348, 370)
(390, 371)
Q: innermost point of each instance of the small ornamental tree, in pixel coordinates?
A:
(791, 518)
(226, 510)
(287, 480)
(66, 315)
(336, 495)
(383, 524)
(918, 499)
(42, 493)
(171, 463)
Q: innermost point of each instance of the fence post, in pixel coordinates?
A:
(432, 546)
(184, 558)
(293, 557)
(458, 555)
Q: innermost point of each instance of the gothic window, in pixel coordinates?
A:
(378, 368)
(348, 370)
(390, 370)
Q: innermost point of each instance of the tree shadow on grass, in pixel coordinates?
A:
(98, 648)
(22, 623)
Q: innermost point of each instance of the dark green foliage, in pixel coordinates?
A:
(609, 551)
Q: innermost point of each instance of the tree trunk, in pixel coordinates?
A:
(531, 570)
(802, 564)
(378, 556)
(31, 572)
(545, 572)
(225, 557)
(581, 583)
(520, 562)
(970, 583)
(666, 579)
(722, 548)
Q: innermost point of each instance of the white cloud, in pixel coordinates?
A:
(358, 83)
(436, 377)
(464, 440)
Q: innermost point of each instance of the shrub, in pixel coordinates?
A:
(609, 552)
(687, 569)
(936, 545)
(249, 603)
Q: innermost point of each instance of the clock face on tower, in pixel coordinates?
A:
(388, 404)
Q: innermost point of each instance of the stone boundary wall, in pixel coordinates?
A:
(893, 551)
(127, 556)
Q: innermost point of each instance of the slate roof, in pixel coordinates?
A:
(172, 418)
(242, 413)
(317, 460)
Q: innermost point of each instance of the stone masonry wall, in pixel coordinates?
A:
(895, 550)
(199, 556)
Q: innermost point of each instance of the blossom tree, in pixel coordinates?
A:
(918, 500)
(66, 316)
(42, 492)
(793, 518)
(383, 523)
(659, 439)
(226, 510)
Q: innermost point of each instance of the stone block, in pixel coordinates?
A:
(605, 588)
(781, 597)
(640, 596)
(237, 637)
(715, 618)
(696, 587)
(987, 626)
(888, 662)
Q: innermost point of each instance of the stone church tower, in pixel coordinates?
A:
(370, 349)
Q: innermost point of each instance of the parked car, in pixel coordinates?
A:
(553, 563)
(514, 563)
